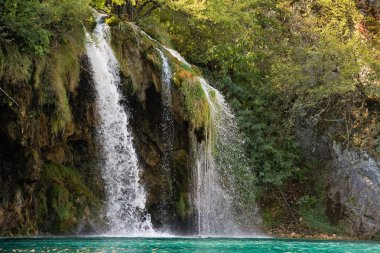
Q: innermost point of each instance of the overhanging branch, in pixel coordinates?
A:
(6, 94)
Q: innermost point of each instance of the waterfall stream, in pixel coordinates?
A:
(212, 193)
(126, 197)
(213, 157)
(167, 118)
(167, 136)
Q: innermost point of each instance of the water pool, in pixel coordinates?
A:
(203, 245)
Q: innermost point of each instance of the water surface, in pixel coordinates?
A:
(202, 245)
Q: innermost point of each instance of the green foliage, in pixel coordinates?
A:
(50, 41)
(40, 44)
(315, 218)
(239, 61)
(63, 198)
(276, 62)
(332, 52)
(272, 59)
(16, 66)
(130, 10)
(35, 24)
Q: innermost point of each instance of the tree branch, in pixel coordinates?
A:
(140, 9)
(8, 96)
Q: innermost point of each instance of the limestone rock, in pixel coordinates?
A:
(354, 192)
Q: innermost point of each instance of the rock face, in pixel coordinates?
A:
(50, 181)
(168, 185)
(350, 176)
(354, 192)
(41, 187)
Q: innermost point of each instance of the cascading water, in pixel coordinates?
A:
(213, 191)
(126, 197)
(167, 118)
(213, 199)
(167, 136)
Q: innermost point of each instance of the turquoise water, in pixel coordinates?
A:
(205, 245)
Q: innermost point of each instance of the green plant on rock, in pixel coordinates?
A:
(63, 199)
(316, 220)
(63, 70)
(194, 98)
(183, 208)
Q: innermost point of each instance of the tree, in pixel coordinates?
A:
(131, 10)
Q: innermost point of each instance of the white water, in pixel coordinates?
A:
(126, 197)
(214, 195)
(212, 200)
(167, 135)
(167, 119)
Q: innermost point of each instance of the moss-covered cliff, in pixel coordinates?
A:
(51, 181)
(50, 129)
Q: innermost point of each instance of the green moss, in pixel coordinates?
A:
(183, 208)
(90, 23)
(62, 207)
(52, 76)
(126, 38)
(194, 101)
(63, 198)
(194, 98)
(316, 219)
(121, 36)
(42, 208)
(63, 69)
(17, 65)
(213, 94)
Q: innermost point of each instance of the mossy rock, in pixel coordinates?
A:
(129, 42)
(194, 98)
(63, 199)
(183, 206)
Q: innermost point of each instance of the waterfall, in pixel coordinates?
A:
(167, 136)
(167, 118)
(126, 197)
(213, 184)
(214, 194)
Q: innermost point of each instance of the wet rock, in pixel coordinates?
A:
(166, 181)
